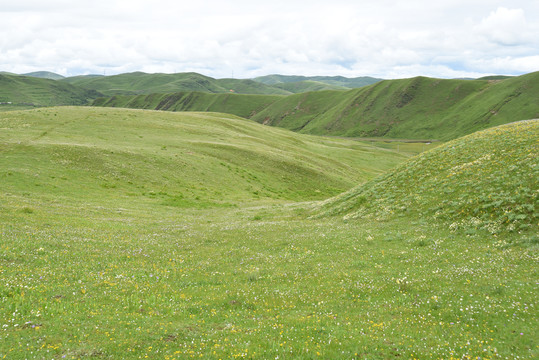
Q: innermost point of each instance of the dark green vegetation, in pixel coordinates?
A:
(418, 108)
(133, 234)
(32, 91)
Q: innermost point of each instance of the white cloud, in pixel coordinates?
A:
(506, 27)
(445, 38)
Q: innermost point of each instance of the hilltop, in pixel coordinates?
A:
(486, 180)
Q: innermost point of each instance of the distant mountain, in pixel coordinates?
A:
(138, 83)
(143, 83)
(35, 91)
(495, 77)
(307, 86)
(340, 81)
(45, 75)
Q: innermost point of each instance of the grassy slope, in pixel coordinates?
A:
(410, 108)
(142, 83)
(178, 159)
(43, 92)
(101, 257)
(486, 180)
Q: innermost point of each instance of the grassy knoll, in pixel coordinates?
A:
(32, 91)
(483, 181)
(95, 262)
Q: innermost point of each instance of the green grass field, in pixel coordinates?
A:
(143, 234)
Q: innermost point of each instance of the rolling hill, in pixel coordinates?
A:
(177, 159)
(486, 180)
(19, 89)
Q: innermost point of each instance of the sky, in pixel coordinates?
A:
(249, 38)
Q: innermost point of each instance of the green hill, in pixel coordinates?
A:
(19, 89)
(418, 108)
(175, 159)
(486, 180)
(142, 83)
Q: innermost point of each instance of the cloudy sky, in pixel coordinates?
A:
(248, 38)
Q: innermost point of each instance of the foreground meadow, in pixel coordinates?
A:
(104, 260)
(251, 284)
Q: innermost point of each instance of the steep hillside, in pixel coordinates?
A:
(142, 83)
(411, 108)
(487, 180)
(176, 159)
(245, 106)
(19, 89)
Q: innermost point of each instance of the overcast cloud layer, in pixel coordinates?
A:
(246, 38)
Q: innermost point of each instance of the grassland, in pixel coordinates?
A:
(142, 234)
